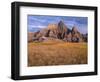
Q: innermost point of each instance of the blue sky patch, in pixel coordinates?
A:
(36, 22)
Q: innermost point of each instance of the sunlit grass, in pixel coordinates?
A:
(56, 53)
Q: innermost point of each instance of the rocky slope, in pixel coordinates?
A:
(58, 31)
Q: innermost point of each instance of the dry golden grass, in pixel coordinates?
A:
(56, 53)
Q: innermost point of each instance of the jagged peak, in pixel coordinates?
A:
(74, 29)
(61, 22)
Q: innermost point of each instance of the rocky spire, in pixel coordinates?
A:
(74, 29)
(62, 29)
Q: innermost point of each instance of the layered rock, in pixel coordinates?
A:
(52, 30)
(30, 36)
(59, 31)
(76, 35)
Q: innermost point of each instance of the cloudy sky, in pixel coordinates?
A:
(36, 22)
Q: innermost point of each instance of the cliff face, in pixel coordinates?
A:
(59, 31)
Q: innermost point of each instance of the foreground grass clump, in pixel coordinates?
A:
(56, 53)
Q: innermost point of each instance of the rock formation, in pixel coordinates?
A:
(59, 31)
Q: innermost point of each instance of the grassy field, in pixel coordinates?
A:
(56, 53)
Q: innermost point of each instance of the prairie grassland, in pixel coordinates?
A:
(56, 53)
